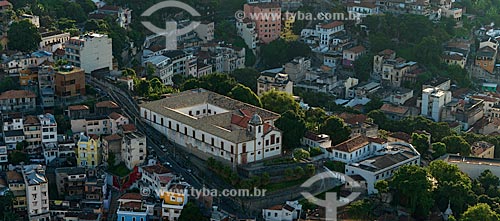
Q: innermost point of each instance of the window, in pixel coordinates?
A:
(177, 127)
(203, 138)
(161, 121)
(273, 139)
(213, 141)
(194, 134)
(222, 145)
(185, 130)
(267, 142)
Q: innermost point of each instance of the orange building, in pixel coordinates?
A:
(69, 82)
(267, 18)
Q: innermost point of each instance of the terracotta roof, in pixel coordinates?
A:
(31, 120)
(115, 116)
(401, 135)
(357, 142)
(157, 168)
(353, 119)
(108, 104)
(315, 137)
(78, 107)
(455, 57)
(276, 207)
(479, 147)
(112, 137)
(12, 94)
(14, 176)
(332, 25)
(5, 3)
(358, 49)
(128, 128)
(59, 52)
(485, 98)
(131, 196)
(386, 52)
(389, 108)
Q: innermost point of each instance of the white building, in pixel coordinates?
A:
(246, 30)
(205, 31)
(49, 128)
(271, 81)
(173, 201)
(316, 140)
(133, 151)
(33, 19)
(12, 121)
(360, 10)
(115, 121)
(383, 163)
(157, 178)
(53, 40)
(288, 212)
(356, 149)
(91, 52)
(37, 193)
(211, 125)
(3, 155)
(433, 102)
(324, 32)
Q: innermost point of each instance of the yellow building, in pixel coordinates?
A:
(173, 201)
(89, 154)
(287, 30)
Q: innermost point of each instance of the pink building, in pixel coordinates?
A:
(267, 18)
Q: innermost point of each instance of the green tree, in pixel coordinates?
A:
(23, 36)
(361, 210)
(420, 142)
(299, 172)
(310, 169)
(314, 117)
(452, 186)
(374, 104)
(266, 178)
(439, 149)
(191, 212)
(363, 67)
(300, 154)
(279, 102)
(457, 144)
(216, 82)
(488, 180)
(336, 129)
(279, 52)
(63, 124)
(293, 127)
(481, 211)
(412, 184)
(16, 157)
(143, 88)
(245, 94)
(247, 77)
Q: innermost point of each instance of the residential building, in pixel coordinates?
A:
(395, 112)
(453, 58)
(13, 64)
(311, 139)
(211, 125)
(349, 56)
(89, 154)
(363, 90)
(383, 163)
(70, 182)
(468, 112)
(133, 152)
(287, 29)
(267, 29)
(28, 76)
(17, 100)
(433, 102)
(46, 86)
(5, 5)
(115, 121)
(111, 144)
(422, 7)
(361, 9)
(394, 72)
(90, 52)
(157, 178)
(483, 149)
(37, 192)
(16, 183)
(270, 81)
(297, 68)
(486, 55)
(491, 106)
(205, 31)
(131, 207)
(356, 149)
(53, 40)
(32, 132)
(380, 58)
(33, 19)
(4, 160)
(12, 121)
(78, 111)
(123, 15)
(173, 201)
(288, 212)
(223, 58)
(246, 30)
(399, 96)
(69, 82)
(49, 128)
(360, 125)
(325, 33)
(106, 108)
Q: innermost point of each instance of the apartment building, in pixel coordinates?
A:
(157, 178)
(88, 154)
(37, 193)
(380, 58)
(433, 102)
(46, 86)
(49, 128)
(325, 33)
(70, 182)
(133, 152)
(361, 9)
(4, 160)
(246, 29)
(131, 207)
(15, 181)
(211, 125)
(267, 29)
(349, 56)
(111, 144)
(90, 52)
(173, 201)
(69, 82)
(223, 58)
(395, 72)
(421, 7)
(17, 100)
(206, 31)
(53, 40)
(269, 81)
(297, 68)
(486, 55)
(32, 132)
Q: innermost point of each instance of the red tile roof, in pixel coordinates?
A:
(358, 49)
(315, 137)
(128, 128)
(353, 119)
(332, 25)
(108, 104)
(115, 115)
(131, 196)
(157, 168)
(78, 107)
(31, 120)
(12, 94)
(5, 3)
(112, 137)
(356, 143)
(389, 108)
